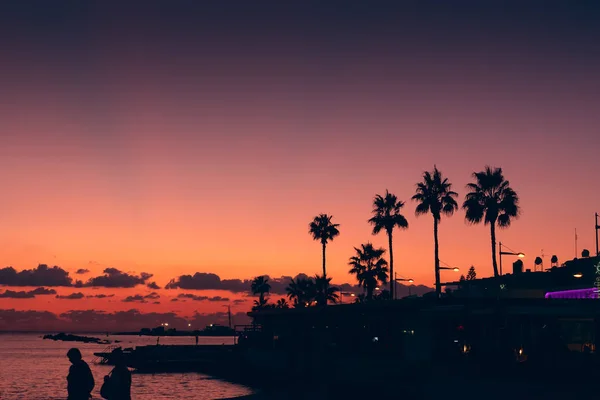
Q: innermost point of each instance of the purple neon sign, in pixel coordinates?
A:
(591, 293)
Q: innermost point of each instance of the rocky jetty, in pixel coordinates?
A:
(74, 338)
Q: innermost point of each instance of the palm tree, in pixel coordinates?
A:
(435, 196)
(492, 200)
(369, 266)
(260, 285)
(387, 216)
(323, 230)
(324, 292)
(301, 291)
(260, 303)
(282, 303)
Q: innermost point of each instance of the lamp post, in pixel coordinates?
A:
(508, 253)
(396, 279)
(448, 267)
(597, 228)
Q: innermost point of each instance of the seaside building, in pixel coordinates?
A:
(537, 316)
(574, 279)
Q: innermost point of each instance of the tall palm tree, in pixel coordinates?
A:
(370, 267)
(323, 230)
(301, 291)
(324, 292)
(492, 200)
(387, 216)
(260, 285)
(435, 196)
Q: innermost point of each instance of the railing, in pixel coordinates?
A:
(101, 360)
(247, 328)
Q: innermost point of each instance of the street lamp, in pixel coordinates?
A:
(448, 267)
(409, 280)
(508, 253)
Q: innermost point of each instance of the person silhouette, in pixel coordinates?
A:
(80, 380)
(118, 382)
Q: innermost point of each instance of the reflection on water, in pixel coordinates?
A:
(36, 369)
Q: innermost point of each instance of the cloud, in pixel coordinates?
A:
(92, 320)
(42, 275)
(141, 299)
(114, 278)
(72, 296)
(100, 296)
(9, 294)
(201, 298)
(82, 271)
(153, 285)
(42, 291)
(239, 301)
(156, 302)
(29, 320)
(210, 281)
(136, 298)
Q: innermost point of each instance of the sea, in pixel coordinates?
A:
(32, 368)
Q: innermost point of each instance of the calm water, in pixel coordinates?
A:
(36, 369)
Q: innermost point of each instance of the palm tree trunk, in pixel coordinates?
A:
(392, 281)
(493, 234)
(324, 272)
(438, 284)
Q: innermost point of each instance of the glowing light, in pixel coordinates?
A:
(573, 294)
(455, 269)
(521, 255)
(577, 275)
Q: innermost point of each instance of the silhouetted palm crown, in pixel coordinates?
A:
(369, 267)
(491, 199)
(386, 214)
(301, 291)
(435, 196)
(324, 292)
(322, 229)
(282, 303)
(260, 285)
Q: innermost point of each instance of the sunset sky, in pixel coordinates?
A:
(179, 137)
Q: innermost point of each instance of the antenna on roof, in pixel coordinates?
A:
(597, 228)
(575, 242)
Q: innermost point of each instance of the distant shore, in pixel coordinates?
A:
(177, 333)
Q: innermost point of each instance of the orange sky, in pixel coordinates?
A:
(146, 156)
